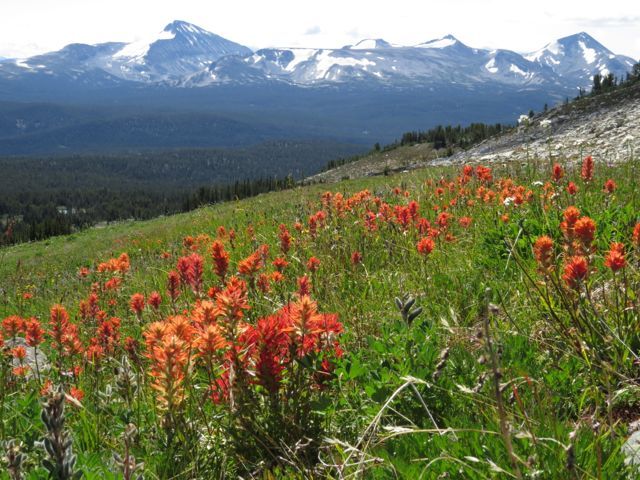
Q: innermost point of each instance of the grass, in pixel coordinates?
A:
(503, 373)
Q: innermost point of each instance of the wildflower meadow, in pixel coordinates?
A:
(476, 321)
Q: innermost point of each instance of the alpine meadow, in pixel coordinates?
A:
(208, 272)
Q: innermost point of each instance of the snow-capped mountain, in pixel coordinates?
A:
(577, 58)
(440, 60)
(180, 50)
(567, 64)
(187, 56)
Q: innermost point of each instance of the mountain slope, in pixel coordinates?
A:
(607, 125)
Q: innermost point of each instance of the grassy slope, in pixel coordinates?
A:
(555, 390)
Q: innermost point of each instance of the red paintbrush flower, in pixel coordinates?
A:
(587, 169)
(575, 271)
(543, 251)
(615, 259)
(558, 173)
(425, 246)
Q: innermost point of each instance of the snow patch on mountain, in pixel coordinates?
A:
(491, 66)
(370, 44)
(588, 53)
(140, 48)
(443, 42)
(300, 55)
(514, 68)
(325, 61)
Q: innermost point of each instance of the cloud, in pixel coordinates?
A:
(607, 22)
(315, 30)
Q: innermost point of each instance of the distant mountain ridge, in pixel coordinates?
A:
(185, 55)
(186, 87)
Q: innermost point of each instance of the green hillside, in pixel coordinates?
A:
(462, 346)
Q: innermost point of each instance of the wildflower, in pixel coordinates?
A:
(302, 313)
(285, 238)
(83, 272)
(504, 218)
(465, 222)
(356, 258)
(173, 285)
(155, 300)
(484, 174)
(558, 172)
(220, 259)
(124, 263)
(543, 252)
(277, 277)
(571, 216)
(587, 169)
(137, 304)
(280, 264)
(113, 283)
(572, 188)
(636, 235)
(425, 246)
(34, 333)
(205, 313)
(575, 271)
(213, 292)
(250, 265)
(13, 325)
(264, 284)
(443, 220)
(59, 324)
(313, 264)
(195, 272)
(615, 259)
(232, 301)
(20, 371)
(609, 186)
(47, 387)
(180, 327)
(27, 296)
(169, 360)
(304, 286)
(94, 352)
(209, 342)
(584, 229)
(76, 393)
(19, 353)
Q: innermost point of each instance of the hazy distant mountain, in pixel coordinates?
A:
(188, 56)
(141, 93)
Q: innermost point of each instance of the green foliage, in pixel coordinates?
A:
(439, 375)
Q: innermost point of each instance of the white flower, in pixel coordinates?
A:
(508, 201)
(523, 120)
(537, 183)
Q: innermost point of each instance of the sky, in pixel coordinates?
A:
(28, 27)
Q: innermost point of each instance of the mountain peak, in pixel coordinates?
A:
(180, 26)
(444, 42)
(370, 44)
